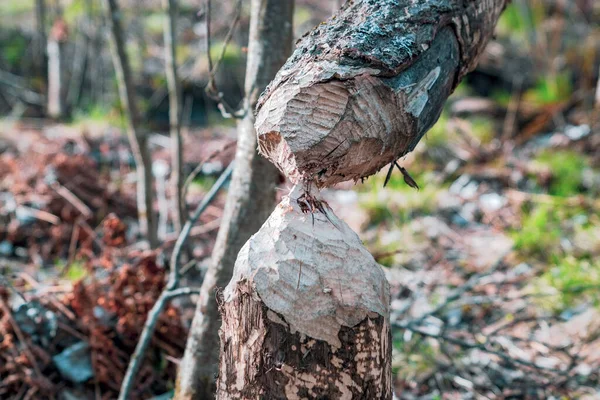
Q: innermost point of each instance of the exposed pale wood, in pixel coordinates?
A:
(364, 87)
(306, 314)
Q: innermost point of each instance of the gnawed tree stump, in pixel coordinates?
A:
(363, 88)
(306, 313)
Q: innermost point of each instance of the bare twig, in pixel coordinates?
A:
(211, 88)
(71, 198)
(198, 169)
(171, 290)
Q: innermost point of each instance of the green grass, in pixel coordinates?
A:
(203, 183)
(550, 89)
(98, 114)
(567, 169)
(413, 357)
(76, 271)
(571, 282)
(483, 129)
(438, 134)
(540, 233)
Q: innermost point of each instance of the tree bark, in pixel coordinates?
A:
(170, 7)
(306, 315)
(40, 39)
(250, 200)
(363, 88)
(56, 69)
(137, 139)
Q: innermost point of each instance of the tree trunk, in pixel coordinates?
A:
(56, 69)
(250, 200)
(137, 139)
(170, 7)
(40, 39)
(307, 313)
(363, 88)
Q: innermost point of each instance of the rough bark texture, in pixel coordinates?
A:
(170, 7)
(40, 39)
(137, 139)
(362, 88)
(250, 200)
(306, 315)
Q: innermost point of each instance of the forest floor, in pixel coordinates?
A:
(494, 263)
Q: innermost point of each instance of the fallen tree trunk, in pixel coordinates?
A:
(306, 313)
(363, 88)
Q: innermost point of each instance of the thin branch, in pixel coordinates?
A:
(171, 290)
(185, 232)
(470, 345)
(198, 169)
(211, 88)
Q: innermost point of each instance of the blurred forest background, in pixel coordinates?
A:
(494, 263)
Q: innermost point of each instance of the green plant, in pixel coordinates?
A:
(550, 89)
(540, 233)
(573, 280)
(567, 171)
(14, 50)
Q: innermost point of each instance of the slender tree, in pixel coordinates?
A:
(170, 7)
(137, 139)
(56, 68)
(250, 200)
(40, 40)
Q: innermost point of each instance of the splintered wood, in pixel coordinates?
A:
(307, 303)
(363, 88)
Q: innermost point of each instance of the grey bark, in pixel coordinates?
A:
(250, 200)
(137, 139)
(363, 88)
(56, 70)
(170, 7)
(40, 41)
